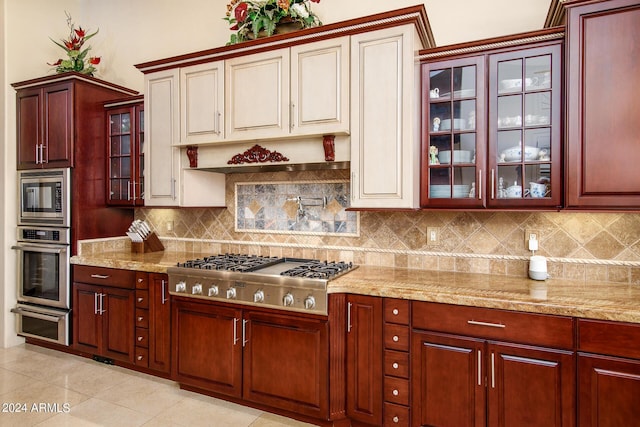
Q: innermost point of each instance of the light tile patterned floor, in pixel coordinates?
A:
(42, 387)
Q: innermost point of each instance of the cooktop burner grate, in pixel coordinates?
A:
(229, 262)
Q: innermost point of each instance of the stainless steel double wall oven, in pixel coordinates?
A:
(43, 251)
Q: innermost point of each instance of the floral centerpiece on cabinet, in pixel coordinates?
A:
(76, 51)
(252, 18)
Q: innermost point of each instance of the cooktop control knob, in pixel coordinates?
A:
(258, 296)
(181, 286)
(231, 293)
(197, 289)
(287, 300)
(309, 302)
(213, 291)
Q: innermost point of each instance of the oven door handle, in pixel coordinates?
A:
(36, 315)
(41, 248)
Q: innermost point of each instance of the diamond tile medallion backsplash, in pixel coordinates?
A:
(307, 207)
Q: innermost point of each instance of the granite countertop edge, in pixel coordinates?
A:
(581, 299)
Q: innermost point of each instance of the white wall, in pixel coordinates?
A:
(136, 31)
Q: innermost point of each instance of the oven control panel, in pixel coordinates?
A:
(311, 300)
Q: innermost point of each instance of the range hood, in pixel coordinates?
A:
(268, 156)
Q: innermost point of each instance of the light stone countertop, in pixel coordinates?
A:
(593, 300)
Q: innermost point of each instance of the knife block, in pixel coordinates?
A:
(151, 244)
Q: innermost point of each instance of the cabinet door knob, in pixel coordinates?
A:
(140, 280)
(395, 392)
(396, 311)
(396, 338)
(395, 365)
(140, 357)
(396, 419)
(139, 338)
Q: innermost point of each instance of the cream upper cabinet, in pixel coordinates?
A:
(257, 95)
(202, 103)
(162, 129)
(320, 87)
(385, 131)
(168, 179)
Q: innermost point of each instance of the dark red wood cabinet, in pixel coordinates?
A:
(475, 367)
(159, 323)
(397, 344)
(608, 373)
(60, 119)
(45, 126)
(364, 380)
(103, 312)
(491, 123)
(207, 346)
(603, 105)
(125, 152)
(276, 359)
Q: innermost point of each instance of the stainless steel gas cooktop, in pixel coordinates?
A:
(284, 283)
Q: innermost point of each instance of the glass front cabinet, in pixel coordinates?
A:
(491, 132)
(125, 153)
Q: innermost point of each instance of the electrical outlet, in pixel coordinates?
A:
(433, 235)
(531, 235)
(169, 225)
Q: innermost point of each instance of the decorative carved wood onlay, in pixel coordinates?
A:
(257, 154)
(328, 142)
(192, 154)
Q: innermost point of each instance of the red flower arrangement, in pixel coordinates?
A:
(77, 56)
(249, 17)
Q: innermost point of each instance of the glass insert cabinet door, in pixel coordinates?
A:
(453, 142)
(524, 130)
(125, 166)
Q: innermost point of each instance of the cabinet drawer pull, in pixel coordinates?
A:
(140, 280)
(493, 370)
(492, 325)
(395, 365)
(99, 276)
(479, 367)
(140, 338)
(395, 392)
(396, 338)
(140, 299)
(140, 319)
(396, 311)
(140, 357)
(396, 419)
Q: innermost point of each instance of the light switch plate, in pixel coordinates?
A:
(433, 236)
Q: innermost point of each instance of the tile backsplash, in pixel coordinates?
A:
(307, 207)
(583, 246)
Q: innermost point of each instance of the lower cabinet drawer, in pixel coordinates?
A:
(396, 390)
(142, 357)
(494, 324)
(594, 336)
(396, 415)
(142, 318)
(396, 337)
(142, 298)
(142, 337)
(396, 363)
(104, 276)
